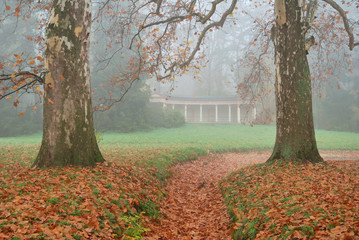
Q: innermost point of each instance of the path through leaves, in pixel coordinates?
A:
(194, 208)
(106, 202)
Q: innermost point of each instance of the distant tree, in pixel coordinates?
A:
(336, 107)
(11, 124)
(130, 114)
(215, 79)
(31, 121)
(337, 110)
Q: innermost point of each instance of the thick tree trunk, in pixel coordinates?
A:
(295, 140)
(68, 132)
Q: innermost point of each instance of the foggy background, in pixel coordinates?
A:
(227, 65)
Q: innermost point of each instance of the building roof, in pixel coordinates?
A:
(204, 100)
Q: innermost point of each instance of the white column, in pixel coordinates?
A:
(229, 113)
(239, 114)
(216, 113)
(200, 113)
(173, 107)
(164, 105)
(254, 113)
(185, 113)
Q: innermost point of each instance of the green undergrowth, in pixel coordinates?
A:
(287, 201)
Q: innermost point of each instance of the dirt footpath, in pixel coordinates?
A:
(194, 208)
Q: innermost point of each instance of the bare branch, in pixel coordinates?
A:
(159, 4)
(112, 101)
(348, 29)
(200, 40)
(211, 12)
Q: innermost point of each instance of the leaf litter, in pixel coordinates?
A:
(194, 207)
(290, 201)
(120, 199)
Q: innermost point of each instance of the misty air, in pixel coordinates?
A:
(161, 119)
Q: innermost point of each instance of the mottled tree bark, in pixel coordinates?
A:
(295, 139)
(68, 132)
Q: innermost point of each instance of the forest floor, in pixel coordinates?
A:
(132, 195)
(194, 207)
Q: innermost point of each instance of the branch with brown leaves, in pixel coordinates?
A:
(176, 65)
(13, 83)
(348, 29)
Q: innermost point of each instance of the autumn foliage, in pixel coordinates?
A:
(291, 201)
(109, 201)
(131, 195)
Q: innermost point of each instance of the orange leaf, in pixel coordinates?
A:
(34, 108)
(50, 101)
(32, 62)
(21, 114)
(8, 97)
(39, 58)
(62, 77)
(8, 8)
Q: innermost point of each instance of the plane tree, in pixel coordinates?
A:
(166, 42)
(68, 132)
(295, 140)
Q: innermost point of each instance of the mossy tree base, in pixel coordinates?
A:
(300, 154)
(85, 153)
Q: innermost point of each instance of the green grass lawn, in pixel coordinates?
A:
(216, 138)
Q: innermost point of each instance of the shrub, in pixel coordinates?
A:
(166, 118)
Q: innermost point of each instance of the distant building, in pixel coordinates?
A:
(208, 109)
